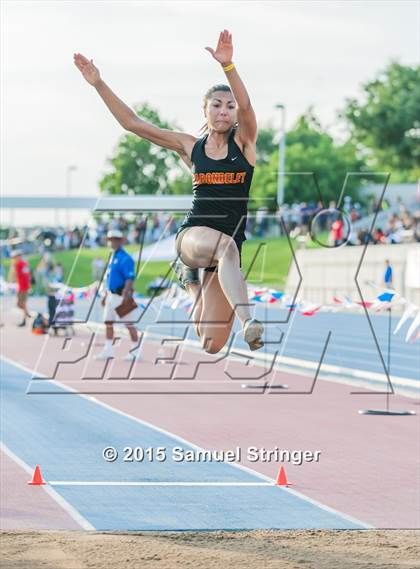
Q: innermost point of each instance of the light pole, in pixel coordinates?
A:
(282, 156)
(69, 170)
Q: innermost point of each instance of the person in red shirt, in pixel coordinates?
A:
(22, 274)
(337, 232)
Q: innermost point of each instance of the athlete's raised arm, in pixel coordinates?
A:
(178, 141)
(247, 121)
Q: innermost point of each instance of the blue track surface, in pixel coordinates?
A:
(352, 344)
(66, 436)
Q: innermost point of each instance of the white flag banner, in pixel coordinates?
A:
(410, 310)
(414, 325)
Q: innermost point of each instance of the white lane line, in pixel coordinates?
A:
(352, 376)
(71, 511)
(194, 446)
(327, 508)
(127, 483)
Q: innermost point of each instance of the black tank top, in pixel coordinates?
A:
(220, 190)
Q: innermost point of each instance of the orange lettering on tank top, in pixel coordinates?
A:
(219, 178)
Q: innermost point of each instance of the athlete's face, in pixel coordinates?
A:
(220, 111)
(115, 243)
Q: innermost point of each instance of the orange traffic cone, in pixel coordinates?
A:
(281, 478)
(37, 478)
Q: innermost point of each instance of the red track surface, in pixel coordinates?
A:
(24, 506)
(369, 465)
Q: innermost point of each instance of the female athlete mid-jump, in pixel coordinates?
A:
(222, 164)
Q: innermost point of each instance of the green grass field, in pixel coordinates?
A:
(267, 260)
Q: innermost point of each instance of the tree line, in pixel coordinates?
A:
(382, 129)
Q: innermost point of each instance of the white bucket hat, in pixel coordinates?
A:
(114, 233)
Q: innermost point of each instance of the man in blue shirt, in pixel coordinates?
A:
(119, 287)
(388, 274)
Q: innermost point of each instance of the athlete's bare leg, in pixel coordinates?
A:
(212, 314)
(195, 291)
(204, 247)
(217, 315)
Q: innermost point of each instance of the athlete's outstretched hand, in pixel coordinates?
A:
(224, 49)
(86, 67)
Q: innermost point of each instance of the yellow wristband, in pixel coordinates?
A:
(229, 67)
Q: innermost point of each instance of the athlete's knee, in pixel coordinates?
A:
(228, 249)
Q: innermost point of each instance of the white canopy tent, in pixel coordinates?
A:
(162, 250)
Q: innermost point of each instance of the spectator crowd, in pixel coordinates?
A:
(295, 219)
(398, 228)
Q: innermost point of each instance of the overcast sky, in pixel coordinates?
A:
(297, 53)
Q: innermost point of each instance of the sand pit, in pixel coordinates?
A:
(318, 549)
